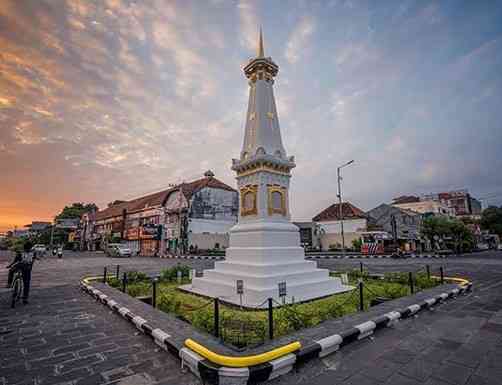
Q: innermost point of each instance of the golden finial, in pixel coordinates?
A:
(261, 52)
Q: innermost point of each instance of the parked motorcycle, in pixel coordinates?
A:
(60, 252)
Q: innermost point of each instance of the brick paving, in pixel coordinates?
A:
(64, 337)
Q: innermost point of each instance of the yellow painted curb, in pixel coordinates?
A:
(460, 281)
(239, 362)
(89, 279)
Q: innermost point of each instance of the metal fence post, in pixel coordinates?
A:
(270, 319)
(428, 268)
(216, 318)
(154, 294)
(124, 282)
(410, 279)
(442, 274)
(104, 275)
(361, 267)
(361, 297)
(118, 272)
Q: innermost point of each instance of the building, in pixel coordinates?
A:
(309, 235)
(330, 228)
(264, 253)
(460, 201)
(37, 227)
(426, 207)
(403, 225)
(190, 216)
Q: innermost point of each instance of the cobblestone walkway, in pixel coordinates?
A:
(63, 337)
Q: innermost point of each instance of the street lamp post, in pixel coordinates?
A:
(340, 204)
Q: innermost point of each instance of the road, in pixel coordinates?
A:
(63, 336)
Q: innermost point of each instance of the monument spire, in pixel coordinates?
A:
(262, 136)
(261, 51)
(264, 251)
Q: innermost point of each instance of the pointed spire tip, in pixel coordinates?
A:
(261, 51)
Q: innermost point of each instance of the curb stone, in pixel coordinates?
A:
(374, 256)
(214, 374)
(197, 257)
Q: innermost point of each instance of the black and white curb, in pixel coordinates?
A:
(376, 256)
(160, 337)
(214, 374)
(196, 257)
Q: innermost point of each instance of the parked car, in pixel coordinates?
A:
(499, 247)
(39, 250)
(117, 250)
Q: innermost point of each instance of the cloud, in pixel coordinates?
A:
(299, 39)
(249, 24)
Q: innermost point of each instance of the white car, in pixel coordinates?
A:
(499, 247)
(39, 249)
(118, 250)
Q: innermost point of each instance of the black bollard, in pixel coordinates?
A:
(428, 268)
(442, 274)
(410, 279)
(216, 318)
(270, 319)
(361, 268)
(154, 293)
(124, 282)
(104, 275)
(361, 297)
(117, 274)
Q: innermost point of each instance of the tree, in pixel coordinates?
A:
(76, 210)
(491, 220)
(453, 232)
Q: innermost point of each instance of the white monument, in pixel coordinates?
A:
(264, 247)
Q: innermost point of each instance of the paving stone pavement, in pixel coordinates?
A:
(64, 337)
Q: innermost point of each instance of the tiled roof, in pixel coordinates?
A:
(192, 187)
(405, 199)
(332, 213)
(158, 198)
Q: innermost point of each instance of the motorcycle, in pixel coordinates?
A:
(60, 252)
(54, 252)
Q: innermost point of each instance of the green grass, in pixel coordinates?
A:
(250, 327)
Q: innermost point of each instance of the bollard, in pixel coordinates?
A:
(124, 282)
(154, 292)
(361, 298)
(118, 272)
(104, 275)
(270, 319)
(178, 276)
(410, 279)
(442, 274)
(361, 267)
(428, 268)
(216, 318)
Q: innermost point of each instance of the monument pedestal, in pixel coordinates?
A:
(262, 254)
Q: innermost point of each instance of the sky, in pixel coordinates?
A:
(111, 99)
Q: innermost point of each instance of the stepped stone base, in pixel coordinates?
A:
(275, 256)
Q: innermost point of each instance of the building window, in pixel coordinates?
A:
(276, 200)
(248, 200)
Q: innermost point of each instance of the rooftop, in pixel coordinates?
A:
(159, 198)
(332, 213)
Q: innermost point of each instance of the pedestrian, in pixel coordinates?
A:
(23, 262)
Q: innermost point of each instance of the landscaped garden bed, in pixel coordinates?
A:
(245, 328)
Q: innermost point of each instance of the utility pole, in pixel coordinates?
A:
(340, 203)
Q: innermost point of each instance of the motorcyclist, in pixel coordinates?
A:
(22, 262)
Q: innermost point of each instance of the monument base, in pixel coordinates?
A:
(275, 257)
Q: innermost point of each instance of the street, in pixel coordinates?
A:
(63, 336)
